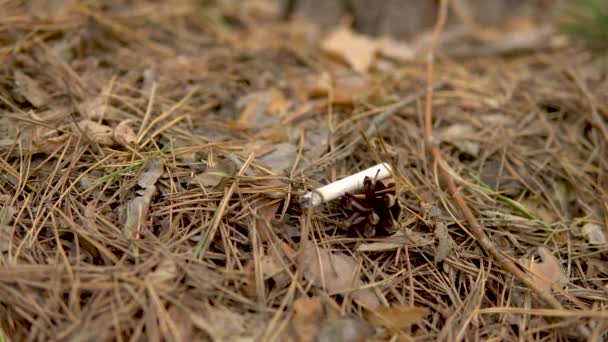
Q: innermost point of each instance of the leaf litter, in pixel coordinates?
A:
(103, 210)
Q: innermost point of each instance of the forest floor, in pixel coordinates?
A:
(153, 156)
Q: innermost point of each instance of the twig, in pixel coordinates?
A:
(476, 229)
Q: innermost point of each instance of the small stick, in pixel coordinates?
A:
(349, 184)
(477, 229)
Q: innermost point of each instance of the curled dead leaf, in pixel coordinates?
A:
(134, 213)
(307, 318)
(124, 134)
(216, 173)
(594, 233)
(335, 272)
(151, 172)
(97, 132)
(459, 135)
(266, 213)
(549, 272)
(445, 245)
(355, 49)
(94, 108)
(30, 89)
(164, 276)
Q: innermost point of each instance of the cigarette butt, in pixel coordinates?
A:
(348, 184)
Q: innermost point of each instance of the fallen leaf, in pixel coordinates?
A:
(418, 239)
(445, 245)
(151, 172)
(47, 139)
(97, 132)
(93, 108)
(345, 330)
(394, 49)
(344, 88)
(164, 276)
(265, 214)
(389, 243)
(355, 49)
(335, 272)
(224, 324)
(397, 317)
(594, 233)
(460, 135)
(30, 89)
(548, 272)
(216, 173)
(48, 8)
(261, 109)
(273, 269)
(7, 212)
(278, 104)
(123, 133)
(281, 159)
(134, 213)
(307, 318)
(182, 322)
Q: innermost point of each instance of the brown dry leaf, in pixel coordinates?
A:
(336, 272)
(345, 330)
(594, 233)
(134, 213)
(459, 135)
(355, 49)
(548, 272)
(30, 89)
(273, 269)
(265, 213)
(277, 134)
(48, 8)
(394, 49)
(164, 276)
(94, 108)
(278, 104)
(397, 317)
(151, 172)
(215, 174)
(46, 139)
(418, 239)
(261, 109)
(307, 318)
(389, 243)
(183, 323)
(7, 212)
(314, 92)
(281, 159)
(97, 132)
(224, 324)
(124, 134)
(445, 245)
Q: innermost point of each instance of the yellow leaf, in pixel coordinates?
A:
(355, 49)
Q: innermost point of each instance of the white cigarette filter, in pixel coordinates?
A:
(349, 184)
